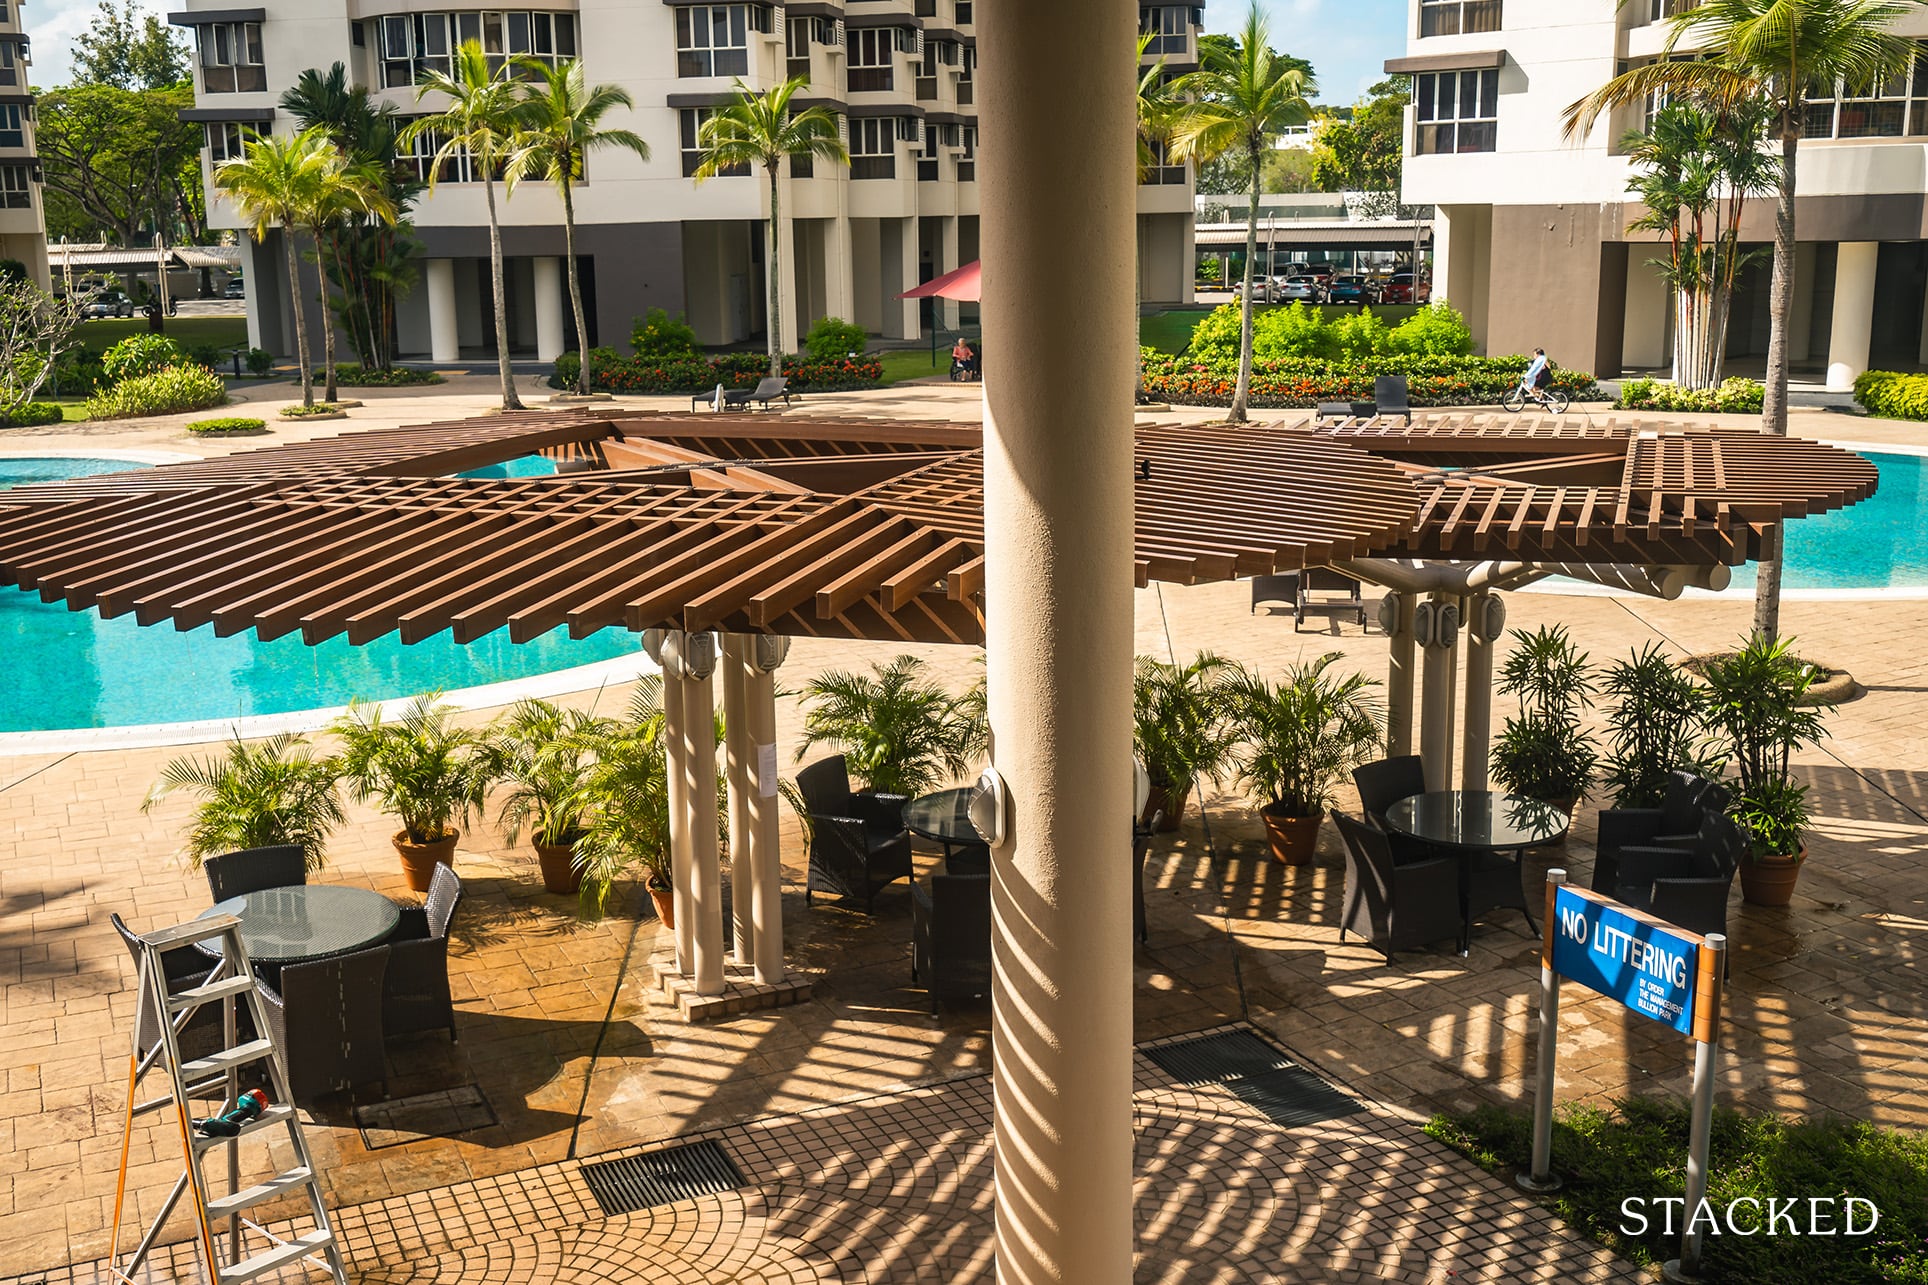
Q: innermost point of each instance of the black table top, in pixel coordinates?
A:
(943, 817)
(308, 921)
(1485, 820)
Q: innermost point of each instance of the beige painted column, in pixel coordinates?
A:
(548, 307)
(1436, 698)
(443, 341)
(1476, 732)
(947, 309)
(1848, 341)
(739, 770)
(1800, 323)
(904, 316)
(1397, 617)
(1058, 519)
(765, 655)
(788, 339)
(839, 285)
(699, 792)
(669, 654)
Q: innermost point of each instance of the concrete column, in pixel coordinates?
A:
(1924, 327)
(1643, 344)
(548, 300)
(947, 261)
(789, 339)
(840, 292)
(1443, 262)
(766, 843)
(739, 770)
(682, 865)
(1188, 259)
(1058, 542)
(1436, 701)
(442, 342)
(1854, 272)
(903, 319)
(1476, 742)
(706, 874)
(1399, 675)
(1800, 323)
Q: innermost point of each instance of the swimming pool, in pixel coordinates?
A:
(1880, 543)
(72, 669)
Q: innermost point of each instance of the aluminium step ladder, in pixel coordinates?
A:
(161, 1019)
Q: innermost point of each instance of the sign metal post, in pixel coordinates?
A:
(1713, 967)
(1543, 1179)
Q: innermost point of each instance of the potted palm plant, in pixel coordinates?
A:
(420, 768)
(1297, 739)
(899, 732)
(1179, 729)
(1754, 704)
(622, 798)
(256, 796)
(1543, 752)
(542, 753)
(1656, 724)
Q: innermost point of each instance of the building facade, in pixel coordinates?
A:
(1531, 233)
(900, 74)
(23, 216)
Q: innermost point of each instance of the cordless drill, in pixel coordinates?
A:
(246, 1107)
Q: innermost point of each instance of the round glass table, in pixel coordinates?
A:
(1481, 827)
(281, 926)
(944, 818)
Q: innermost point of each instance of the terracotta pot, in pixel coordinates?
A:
(665, 901)
(1171, 803)
(558, 861)
(420, 859)
(1769, 881)
(1293, 838)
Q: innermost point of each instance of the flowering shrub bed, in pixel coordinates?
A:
(1307, 381)
(164, 392)
(1892, 396)
(29, 414)
(1734, 396)
(348, 374)
(610, 372)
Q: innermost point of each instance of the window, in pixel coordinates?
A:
(690, 121)
(228, 140)
(796, 46)
(1163, 170)
(964, 18)
(714, 39)
(967, 79)
(967, 163)
(873, 147)
(1457, 17)
(12, 133)
(1168, 26)
(231, 58)
(413, 44)
(1661, 10)
(927, 73)
(925, 8)
(927, 160)
(16, 187)
(1458, 111)
(458, 167)
(1894, 109)
(872, 54)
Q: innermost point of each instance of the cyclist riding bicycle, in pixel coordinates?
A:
(1538, 377)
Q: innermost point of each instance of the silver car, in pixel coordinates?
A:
(1306, 288)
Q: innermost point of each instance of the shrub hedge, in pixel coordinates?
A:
(833, 338)
(1307, 381)
(317, 411)
(31, 414)
(659, 335)
(1892, 396)
(351, 375)
(140, 355)
(1734, 396)
(227, 424)
(165, 392)
(1296, 331)
(610, 372)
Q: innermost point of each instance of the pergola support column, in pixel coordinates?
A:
(669, 654)
(739, 770)
(1436, 695)
(1477, 732)
(1397, 616)
(1058, 506)
(765, 837)
(699, 792)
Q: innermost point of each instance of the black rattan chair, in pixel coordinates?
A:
(234, 874)
(1350, 599)
(1674, 824)
(950, 935)
(184, 967)
(1395, 905)
(858, 843)
(416, 995)
(1276, 590)
(1387, 781)
(1688, 882)
(1140, 849)
(327, 1018)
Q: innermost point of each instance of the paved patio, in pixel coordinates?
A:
(860, 1122)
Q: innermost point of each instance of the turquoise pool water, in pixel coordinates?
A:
(1881, 543)
(72, 669)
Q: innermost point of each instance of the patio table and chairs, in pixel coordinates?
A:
(1489, 833)
(944, 818)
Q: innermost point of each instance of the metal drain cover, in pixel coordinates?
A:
(1214, 1059)
(661, 1177)
(1294, 1096)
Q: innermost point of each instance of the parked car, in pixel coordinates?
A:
(1263, 291)
(1400, 289)
(236, 289)
(1324, 271)
(1306, 288)
(109, 303)
(1353, 290)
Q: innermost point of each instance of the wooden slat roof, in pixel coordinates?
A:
(843, 527)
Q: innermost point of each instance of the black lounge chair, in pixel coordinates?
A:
(1324, 580)
(1396, 905)
(950, 926)
(1389, 397)
(858, 842)
(416, 996)
(235, 874)
(769, 389)
(1276, 589)
(327, 1018)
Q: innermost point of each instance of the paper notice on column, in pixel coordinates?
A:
(766, 771)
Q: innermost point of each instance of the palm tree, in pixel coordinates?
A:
(1241, 101)
(562, 126)
(761, 129)
(899, 731)
(484, 114)
(1776, 52)
(278, 180)
(349, 190)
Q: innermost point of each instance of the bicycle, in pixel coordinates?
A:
(1549, 398)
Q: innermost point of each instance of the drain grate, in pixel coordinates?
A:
(1214, 1059)
(661, 1177)
(1294, 1096)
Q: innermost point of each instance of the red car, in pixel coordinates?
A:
(1400, 289)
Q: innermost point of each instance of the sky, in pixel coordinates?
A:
(1348, 41)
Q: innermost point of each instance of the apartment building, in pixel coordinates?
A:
(900, 75)
(23, 217)
(1531, 234)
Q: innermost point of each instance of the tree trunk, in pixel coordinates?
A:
(329, 392)
(1767, 588)
(509, 400)
(773, 320)
(301, 323)
(1242, 395)
(575, 284)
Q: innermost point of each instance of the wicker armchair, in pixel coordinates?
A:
(1675, 823)
(950, 927)
(858, 843)
(416, 995)
(1688, 882)
(327, 1018)
(185, 967)
(1396, 906)
(1385, 782)
(234, 874)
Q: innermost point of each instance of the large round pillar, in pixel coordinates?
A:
(1436, 694)
(1396, 617)
(699, 793)
(1476, 729)
(739, 771)
(444, 341)
(1058, 505)
(670, 657)
(548, 307)
(766, 840)
(1853, 330)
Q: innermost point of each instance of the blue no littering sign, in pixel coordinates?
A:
(1646, 966)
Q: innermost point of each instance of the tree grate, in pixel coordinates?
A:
(661, 1177)
(1258, 1073)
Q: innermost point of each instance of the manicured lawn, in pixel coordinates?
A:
(225, 332)
(913, 363)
